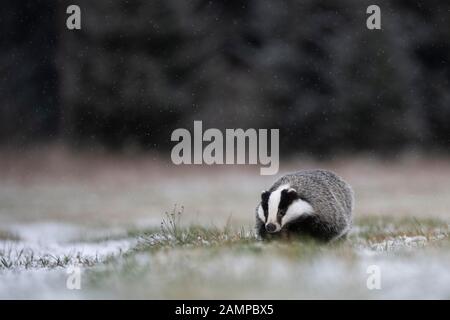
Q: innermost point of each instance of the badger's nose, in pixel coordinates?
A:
(271, 227)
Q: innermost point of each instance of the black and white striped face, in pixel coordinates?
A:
(280, 207)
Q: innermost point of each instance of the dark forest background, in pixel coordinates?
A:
(139, 69)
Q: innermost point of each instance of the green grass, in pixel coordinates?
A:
(367, 230)
(198, 262)
(193, 261)
(172, 235)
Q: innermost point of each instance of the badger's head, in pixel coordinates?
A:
(280, 207)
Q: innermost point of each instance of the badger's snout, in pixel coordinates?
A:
(271, 227)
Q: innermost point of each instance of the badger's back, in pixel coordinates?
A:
(329, 195)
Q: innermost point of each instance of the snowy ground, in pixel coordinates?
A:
(104, 216)
(412, 256)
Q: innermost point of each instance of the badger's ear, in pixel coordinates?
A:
(265, 196)
(292, 193)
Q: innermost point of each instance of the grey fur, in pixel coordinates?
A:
(330, 197)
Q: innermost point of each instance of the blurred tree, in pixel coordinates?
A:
(29, 110)
(139, 69)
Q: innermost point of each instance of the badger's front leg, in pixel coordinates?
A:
(285, 234)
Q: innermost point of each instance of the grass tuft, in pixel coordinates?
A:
(172, 234)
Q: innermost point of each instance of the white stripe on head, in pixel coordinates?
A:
(297, 209)
(274, 202)
(261, 214)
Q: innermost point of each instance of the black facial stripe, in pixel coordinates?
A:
(265, 210)
(265, 202)
(286, 200)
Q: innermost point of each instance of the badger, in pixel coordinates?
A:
(314, 203)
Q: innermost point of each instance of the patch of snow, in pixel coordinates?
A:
(20, 251)
(400, 242)
(47, 232)
(36, 284)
